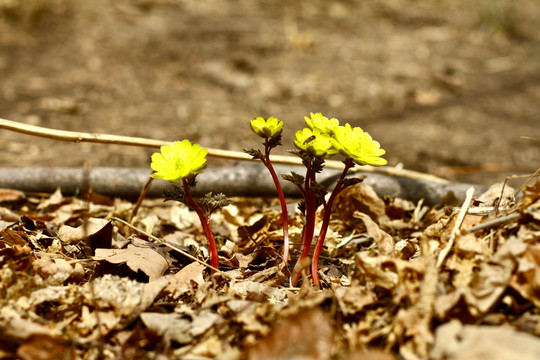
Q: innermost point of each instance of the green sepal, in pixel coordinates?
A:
(274, 142)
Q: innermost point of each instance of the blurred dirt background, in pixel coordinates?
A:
(447, 87)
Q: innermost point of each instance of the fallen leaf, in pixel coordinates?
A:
(384, 241)
(362, 198)
(182, 282)
(526, 279)
(46, 347)
(57, 271)
(354, 299)
(146, 260)
(205, 320)
(307, 335)
(487, 286)
(256, 290)
(56, 199)
(466, 342)
(97, 233)
(387, 272)
(12, 237)
(172, 326)
(15, 329)
(9, 195)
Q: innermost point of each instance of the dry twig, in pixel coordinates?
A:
(455, 231)
(217, 153)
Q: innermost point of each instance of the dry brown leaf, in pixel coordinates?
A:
(205, 320)
(8, 195)
(57, 271)
(470, 246)
(72, 235)
(109, 301)
(307, 335)
(15, 329)
(526, 279)
(46, 347)
(354, 299)
(127, 299)
(492, 196)
(13, 238)
(384, 241)
(387, 272)
(56, 199)
(146, 260)
(256, 290)
(174, 327)
(531, 196)
(362, 198)
(412, 325)
(487, 286)
(182, 282)
(251, 319)
(469, 252)
(369, 355)
(8, 215)
(454, 341)
(95, 233)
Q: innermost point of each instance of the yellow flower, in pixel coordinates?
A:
(318, 121)
(178, 160)
(356, 144)
(314, 142)
(269, 128)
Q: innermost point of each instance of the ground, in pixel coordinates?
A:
(447, 87)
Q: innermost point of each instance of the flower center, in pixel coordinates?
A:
(180, 163)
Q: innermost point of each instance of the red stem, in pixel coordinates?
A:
(326, 221)
(212, 248)
(284, 212)
(309, 227)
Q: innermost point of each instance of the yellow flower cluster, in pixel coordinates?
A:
(314, 142)
(325, 137)
(179, 160)
(269, 128)
(357, 144)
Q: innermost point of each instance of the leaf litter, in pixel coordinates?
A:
(400, 280)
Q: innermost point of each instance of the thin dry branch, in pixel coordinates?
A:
(455, 231)
(74, 136)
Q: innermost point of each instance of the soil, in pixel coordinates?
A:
(447, 87)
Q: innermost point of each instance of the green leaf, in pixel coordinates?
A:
(302, 207)
(318, 164)
(175, 192)
(295, 178)
(212, 202)
(255, 154)
(351, 181)
(320, 193)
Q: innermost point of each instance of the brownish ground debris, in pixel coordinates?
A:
(76, 281)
